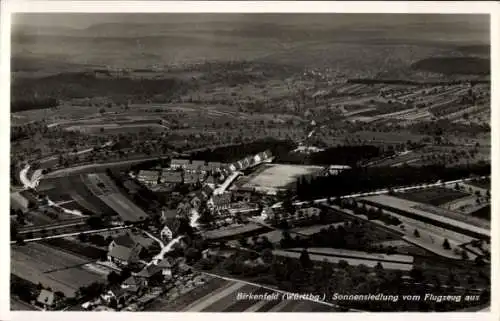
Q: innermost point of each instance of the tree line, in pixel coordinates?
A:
(358, 179)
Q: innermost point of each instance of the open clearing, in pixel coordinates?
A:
(109, 128)
(358, 254)
(352, 261)
(278, 176)
(229, 231)
(53, 268)
(435, 196)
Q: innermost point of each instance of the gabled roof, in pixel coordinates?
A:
(131, 281)
(148, 173)
(177, 161)
(121, 252)
(153, 269)
(46, 297)
(171, 177)
(125, 240)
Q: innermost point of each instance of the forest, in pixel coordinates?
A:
(369, 179)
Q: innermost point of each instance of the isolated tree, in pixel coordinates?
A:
(416, 233)
(20, 240)
(113, 278)
(343, 264)
(305, 259)
(60, 294)
(267, 255)
(446, 244)
(243, 242)
(83, 237)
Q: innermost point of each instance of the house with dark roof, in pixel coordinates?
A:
(46, 299)
(134, 285)
(124, 250)
(120, 294)
(159, 272)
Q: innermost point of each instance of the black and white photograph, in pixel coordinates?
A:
(250, 162)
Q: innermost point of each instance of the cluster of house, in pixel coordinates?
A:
(181, 171)
(138, 284)
(299, 213)
(124, 251)
(247, 162)
(188, 171)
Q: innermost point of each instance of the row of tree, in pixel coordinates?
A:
(369, 179)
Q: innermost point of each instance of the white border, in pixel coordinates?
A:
(467, 7)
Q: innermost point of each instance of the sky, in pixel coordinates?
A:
(84, 20)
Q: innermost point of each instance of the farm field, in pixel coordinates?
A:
(53, 268)
(278, 176)
(40, 217)
(435, 196)
(310, 230)
(357, 254)
(351, 261)
(103, 127)
(18, 305)
(226, 232)
(102, 187)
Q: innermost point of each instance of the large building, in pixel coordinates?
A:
(124, 250)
